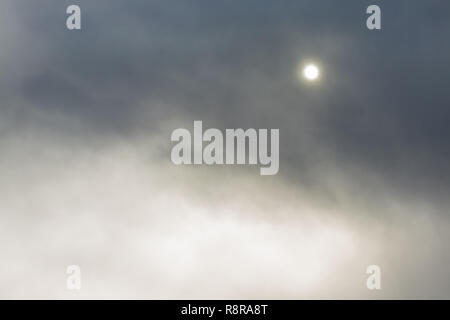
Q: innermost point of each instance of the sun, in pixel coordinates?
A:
(311, 72)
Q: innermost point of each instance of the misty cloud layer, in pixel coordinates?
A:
(86, 177)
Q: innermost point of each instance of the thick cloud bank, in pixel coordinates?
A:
(86, 176)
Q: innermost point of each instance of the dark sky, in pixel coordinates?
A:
(85, 124)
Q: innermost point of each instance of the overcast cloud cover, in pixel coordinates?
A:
(85, 170)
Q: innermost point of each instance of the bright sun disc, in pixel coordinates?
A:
(311, 72)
